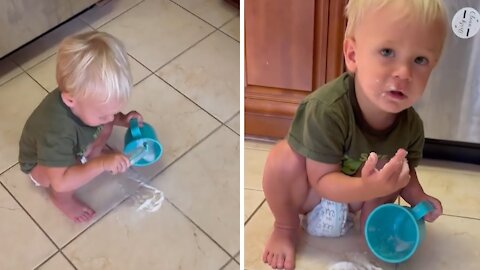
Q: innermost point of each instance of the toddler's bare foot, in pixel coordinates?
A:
(279, 251)
(71, 206)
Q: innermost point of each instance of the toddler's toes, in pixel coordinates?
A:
(280, 261)
(273, 263)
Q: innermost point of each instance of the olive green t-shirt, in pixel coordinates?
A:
(329, 127)
(53, 136)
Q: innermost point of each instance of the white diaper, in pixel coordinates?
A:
(34, 181)
(329, 219)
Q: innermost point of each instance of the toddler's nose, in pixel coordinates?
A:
(403, 72)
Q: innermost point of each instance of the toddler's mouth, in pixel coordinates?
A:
(395, 94)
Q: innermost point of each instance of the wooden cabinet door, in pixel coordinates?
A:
(291, 48)
(280, 43)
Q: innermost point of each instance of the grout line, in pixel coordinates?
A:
(201, 17)
(253, 189)
(230, 119)
(254, 212)
(8, 168)
(257, 149)
(68, 260)
(226, 32)
(235, 257)
(184, 51)
(203, 109)
(38, 83)
(225, 125)
(28, 214)
(180, 92)
(46, 260)
(471, 218)
(196, 225)
(93, 223)
(22, 71)
(225, 265)
(228, 21)
(112, 19)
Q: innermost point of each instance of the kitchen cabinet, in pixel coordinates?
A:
(291, 48)
(23, 20)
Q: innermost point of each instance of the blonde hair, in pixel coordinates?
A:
(426, 11)
(94, 64)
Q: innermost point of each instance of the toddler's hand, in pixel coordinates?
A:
(392, 177)
(115, 163)
(131, 115)
(437, 205)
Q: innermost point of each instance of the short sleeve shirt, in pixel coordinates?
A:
(53, 136)
(329, 127)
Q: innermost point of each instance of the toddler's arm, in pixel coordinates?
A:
(67, 179)
(413, 193)
(332, 184)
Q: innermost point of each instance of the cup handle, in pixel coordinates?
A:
(134, 129)
(421, 209)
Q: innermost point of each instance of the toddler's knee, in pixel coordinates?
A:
(284, 163)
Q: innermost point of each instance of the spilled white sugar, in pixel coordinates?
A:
(147, 197)
(354, 261)
(149, 155)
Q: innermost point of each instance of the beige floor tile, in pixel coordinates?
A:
(18, 98)
(178, 123)
(232, 265)
(139, 72)
(126, 239)
(57, 262)
(259, 145)
(44, 73)
(313, 252)
(47, 45)
(216, 12)
(450, 243)
(8, 70)
(24, 245)
(254, 163)
(208, 190)
(234, 123)
(156, 31)
(232, 28)
(253, 199)
(101, 194)
(101, 14)
(458, 190)
(209, 75)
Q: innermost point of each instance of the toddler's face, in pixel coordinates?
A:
(94, 112)
(393, 58)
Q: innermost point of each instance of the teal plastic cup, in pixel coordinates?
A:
(141, 144)
(393, 232)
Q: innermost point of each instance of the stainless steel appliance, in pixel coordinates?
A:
(450, 107)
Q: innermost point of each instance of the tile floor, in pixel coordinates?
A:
(185, 61)
(452, 242)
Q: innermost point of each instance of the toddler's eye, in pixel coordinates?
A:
(421, 60)
(386, 52)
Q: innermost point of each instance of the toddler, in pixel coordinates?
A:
(62, 143)
(355, 142)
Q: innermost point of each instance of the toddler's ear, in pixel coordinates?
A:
(67, 99)
(349, 48)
